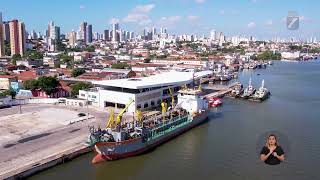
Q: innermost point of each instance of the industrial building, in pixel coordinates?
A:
(147, 92)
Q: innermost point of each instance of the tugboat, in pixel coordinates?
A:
(237, 91)
(261, 94)
(124, 139)
(249, 91)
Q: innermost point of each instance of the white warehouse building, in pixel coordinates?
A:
(147, 92)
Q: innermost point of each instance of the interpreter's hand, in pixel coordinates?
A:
(272, 148)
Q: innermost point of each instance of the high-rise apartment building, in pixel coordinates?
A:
(88, 34)
(72, 37)
(2, 53)
(17, 37)
(83, 31)
(115, 29)
(106, 35)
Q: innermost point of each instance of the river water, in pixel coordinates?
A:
(228, 145)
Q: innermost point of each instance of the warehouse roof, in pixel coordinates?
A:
(163, 79)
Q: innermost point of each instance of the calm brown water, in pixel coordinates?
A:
(227, 146)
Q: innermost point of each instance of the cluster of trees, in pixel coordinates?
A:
(267, 55)
(153, 56)
(7, 48)
(66, 59)
(9, 92)
(120, 65)
(47, 84)
(77, 72)
(33, 54)
(79, 86)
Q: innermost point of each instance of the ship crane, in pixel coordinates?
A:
(119, 117)
(111, 119)
(172, 102)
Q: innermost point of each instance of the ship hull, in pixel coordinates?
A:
(119, 150)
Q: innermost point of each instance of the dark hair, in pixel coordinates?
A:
(275, 137)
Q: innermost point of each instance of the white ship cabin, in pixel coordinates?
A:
(192, 101)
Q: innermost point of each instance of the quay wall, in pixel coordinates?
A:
(47, 163)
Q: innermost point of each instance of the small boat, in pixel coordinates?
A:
(215, 102)
(248, 91)
(262, 93)
(237, 91)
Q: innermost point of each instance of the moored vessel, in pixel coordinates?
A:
(261, 94)
(248, 91)
(120, 140)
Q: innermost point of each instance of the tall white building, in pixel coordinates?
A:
(115, 29)
(213, 35)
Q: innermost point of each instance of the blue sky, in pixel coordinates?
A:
(262, 18)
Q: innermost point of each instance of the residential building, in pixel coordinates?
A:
(106, 35)
(72, 37)
(115, 29)
(83, 31)
(6, 80)
(17, 37)
(6, 31)
(2, 53)
(88, 33)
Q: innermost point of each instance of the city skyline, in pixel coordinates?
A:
(261, 18)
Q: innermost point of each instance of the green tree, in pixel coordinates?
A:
(15, 58)
(65, 58)
(7, 48)
(77, 72)
(254, 57)
(79, 86)
(4, 73)
(269, 55)
(30, 84)
(120, 66)
(89, 49)
(147, 60)
(48, 84)
(9, 92)
(33, 54)
(61, 46)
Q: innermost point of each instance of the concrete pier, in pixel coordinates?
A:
(42, 136)
(220, 90)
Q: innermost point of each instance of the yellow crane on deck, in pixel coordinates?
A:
(172, 102)
(111, 122)
(119, 117)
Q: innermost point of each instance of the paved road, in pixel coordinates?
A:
(14, 155)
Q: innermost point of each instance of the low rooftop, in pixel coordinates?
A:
(164, 79)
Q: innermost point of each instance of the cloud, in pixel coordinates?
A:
(82, 7)
(143, 9)
(269, 23)
(139, 14)
(169, 21)
(200, 1)
(252, 25)
(192, 18)
(222, 12)
(114, 20)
